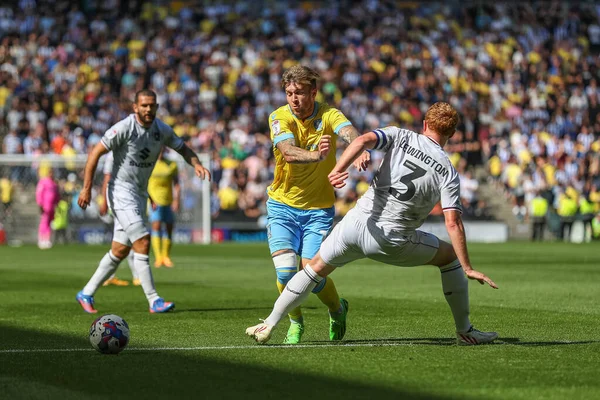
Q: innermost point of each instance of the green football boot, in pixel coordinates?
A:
(337, 322)
(294, 333)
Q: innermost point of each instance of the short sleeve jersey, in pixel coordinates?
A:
(414, 176)
(108, 163)
(305, 186)
(135, 151)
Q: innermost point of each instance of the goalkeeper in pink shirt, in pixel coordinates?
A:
(47, 197)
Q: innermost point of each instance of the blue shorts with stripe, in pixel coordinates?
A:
(302, 231)
(162, 214)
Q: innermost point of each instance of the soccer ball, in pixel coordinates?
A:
(109, 334)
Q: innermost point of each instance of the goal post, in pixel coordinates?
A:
(20, 217)
(195, 199)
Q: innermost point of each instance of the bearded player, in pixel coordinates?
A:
(136, 142)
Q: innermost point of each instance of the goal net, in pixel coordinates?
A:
(19, 216)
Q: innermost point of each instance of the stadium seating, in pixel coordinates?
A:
(523, 76)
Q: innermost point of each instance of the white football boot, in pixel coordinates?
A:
(261, 332)
(474, 337)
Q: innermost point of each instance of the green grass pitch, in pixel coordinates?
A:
(399, 342)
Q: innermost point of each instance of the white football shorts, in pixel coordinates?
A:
(130, 225)
(129, 219)
(356, 236)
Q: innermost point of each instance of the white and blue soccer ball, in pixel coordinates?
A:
(109, 334)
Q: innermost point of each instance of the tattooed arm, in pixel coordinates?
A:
(348, 134)
(295, 155)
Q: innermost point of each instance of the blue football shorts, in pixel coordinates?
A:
(302, 231)
(163, 214)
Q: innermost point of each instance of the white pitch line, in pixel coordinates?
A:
(201, 348)
(257, 346)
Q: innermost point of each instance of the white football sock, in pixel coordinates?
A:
(141, 264)
(295, 292)
(131, 264)
(108, 265)
(456, 291)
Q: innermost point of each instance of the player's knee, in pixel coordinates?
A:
(319, 266)
(119, 250)
(284, 274)
(142, 245)
(285, 266)
(444, 256)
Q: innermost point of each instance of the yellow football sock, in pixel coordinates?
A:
(166, 247)
(329, 296)
(296, 313)
(156, 247)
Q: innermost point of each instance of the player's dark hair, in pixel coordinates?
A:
(144, 92)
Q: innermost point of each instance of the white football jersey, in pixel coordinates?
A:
(135, 150)
(413, 177)
(108, 163)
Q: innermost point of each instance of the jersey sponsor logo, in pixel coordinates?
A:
(318, 124)
(141, 164)
(276, 128)
(144, 153)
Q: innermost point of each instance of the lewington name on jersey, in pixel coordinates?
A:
(427, 159)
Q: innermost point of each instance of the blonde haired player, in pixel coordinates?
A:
(300, 206)
(414, 175)
(164, 191)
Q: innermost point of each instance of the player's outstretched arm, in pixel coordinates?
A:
(90, 169)
(348, 134)
(296, 155)
(191, 158)
(338, 175)
(456, 231)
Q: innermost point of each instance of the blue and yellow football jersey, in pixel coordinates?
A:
(160, 184)
(305, 186)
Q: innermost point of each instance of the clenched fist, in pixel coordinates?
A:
(324, 146)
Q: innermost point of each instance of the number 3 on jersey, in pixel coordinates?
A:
(408, 179)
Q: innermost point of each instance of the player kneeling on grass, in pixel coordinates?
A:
(414, 176)
(136, 142)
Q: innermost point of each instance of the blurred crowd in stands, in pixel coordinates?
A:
(524, 77)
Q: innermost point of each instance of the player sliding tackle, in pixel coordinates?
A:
(136, 142)
(415, 174)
